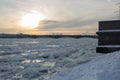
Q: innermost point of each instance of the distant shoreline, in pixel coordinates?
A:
(44, 36)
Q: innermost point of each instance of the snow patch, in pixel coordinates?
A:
(103, 67)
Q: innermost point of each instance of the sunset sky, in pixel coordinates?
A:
(55, 16)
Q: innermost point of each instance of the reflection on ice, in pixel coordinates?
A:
(23, 54)
(26, 61)
(1, 45)
(9, 45)
(49, 64)
(22, 67)
(53, 46)
(1, 52)
(29, 42)
(17, 76)
(32, 61)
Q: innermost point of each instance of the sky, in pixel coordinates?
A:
(55, 16)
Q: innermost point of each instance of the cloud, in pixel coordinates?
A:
(65, 14)
(52, 25)
(64, 9)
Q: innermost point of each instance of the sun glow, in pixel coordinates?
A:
(31, 20)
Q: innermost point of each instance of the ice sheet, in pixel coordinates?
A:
(42, 58)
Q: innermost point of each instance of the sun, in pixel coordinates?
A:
(31, 20)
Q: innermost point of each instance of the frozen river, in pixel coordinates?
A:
(41, 58)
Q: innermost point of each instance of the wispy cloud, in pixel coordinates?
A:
(53, 25)
(50, 25)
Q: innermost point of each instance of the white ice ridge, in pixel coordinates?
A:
(110, 30)
(112, 46)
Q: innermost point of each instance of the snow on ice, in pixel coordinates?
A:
(56, 59)
(103, 67)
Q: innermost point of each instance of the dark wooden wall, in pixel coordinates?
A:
(108, 34)
(109, 25)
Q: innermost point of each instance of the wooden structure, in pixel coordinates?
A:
(108, 36)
